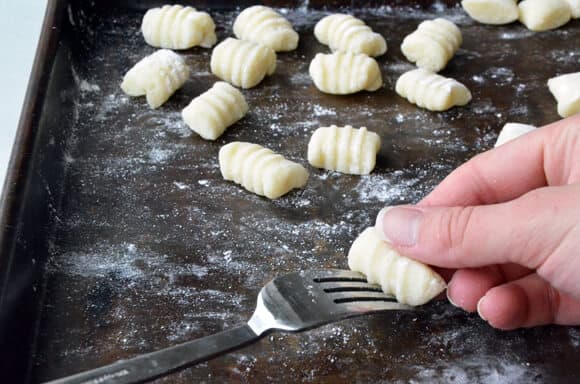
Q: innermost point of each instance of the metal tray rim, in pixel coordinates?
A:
(19, 165)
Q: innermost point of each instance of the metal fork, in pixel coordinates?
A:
(293, 302)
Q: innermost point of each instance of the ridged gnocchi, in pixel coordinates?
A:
(492, 11)
(433, 44)
(213, 111)
(511, 131)
(260, 170)
(543, 15)
(566, 90)
(156, 76)
(242, 63)
(343, 73)
(263, 25)
(432, 91)
(409, 281)
(344, 149)
(343, 32)
(178, 27)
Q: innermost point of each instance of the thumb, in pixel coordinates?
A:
(523, 231)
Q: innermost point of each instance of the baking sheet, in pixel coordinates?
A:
(149, 247)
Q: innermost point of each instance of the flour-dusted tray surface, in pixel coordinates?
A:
(149, 246)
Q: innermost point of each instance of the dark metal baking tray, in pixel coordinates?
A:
(120, 237)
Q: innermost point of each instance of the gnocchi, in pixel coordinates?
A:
(411, 282)
(263, 25)
(260, 170)
(566, 90)
(178, 27)
(543, 15)
(511, 131)
(347, 33)
(156, 76)
(492, 11)
(343, 73)
(345, 149)
(433, 44)
(242, 63)
(212, 112)
(432, 91)
(574, 8)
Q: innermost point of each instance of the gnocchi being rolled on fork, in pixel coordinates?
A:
(411, 282)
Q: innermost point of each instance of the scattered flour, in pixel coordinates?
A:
(319, 110)
(200, 247)
(519, 33)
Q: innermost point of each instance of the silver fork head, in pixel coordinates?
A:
(308, 299)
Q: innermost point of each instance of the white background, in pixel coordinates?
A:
(20, 22)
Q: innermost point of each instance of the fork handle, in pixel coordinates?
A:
(152, 365)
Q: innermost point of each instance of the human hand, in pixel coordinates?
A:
(507, 223)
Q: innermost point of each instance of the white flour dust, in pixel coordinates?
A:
(168, 185)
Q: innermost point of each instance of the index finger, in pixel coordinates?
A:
(506, 172)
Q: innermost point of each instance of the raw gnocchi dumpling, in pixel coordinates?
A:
(492, 11)
(574, 8)
(566, 90)
(260, 170)
(212, 112)
(263, 25)
(156, 76)
(511, 131)
(344, 149)
(178, 27)
(432, 91)
(242, 63)
(347, 33)
(433, 44)
(411, 282)
(343, 73)
(542, 15)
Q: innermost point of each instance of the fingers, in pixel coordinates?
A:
(526, 231)
(496, 176)
(561, 165)
(468, 286)
(542, 157)
(527, 302)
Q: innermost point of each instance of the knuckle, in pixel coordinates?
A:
(453, 228)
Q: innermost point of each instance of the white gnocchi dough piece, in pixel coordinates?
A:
(433, 44)
(494, 12)
(566, 90)
(178, 27)
(260, 170)
(543, 15)
(432, 91)
(512, 131)
(343, 32)
(264, 25)
(411, 282)
(343, 73)
(574, 8)
(344, 149)
(213, 111)
(156, 76)
(242, 63)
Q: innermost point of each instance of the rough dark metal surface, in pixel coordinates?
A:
(150, 247)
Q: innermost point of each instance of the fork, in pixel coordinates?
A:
(294, 302)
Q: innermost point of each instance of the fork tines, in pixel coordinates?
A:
(348, 286)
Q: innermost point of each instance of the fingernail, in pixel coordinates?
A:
(479, 308)
(399, 225)
(449, 297)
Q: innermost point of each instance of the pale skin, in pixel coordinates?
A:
(505, 227)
